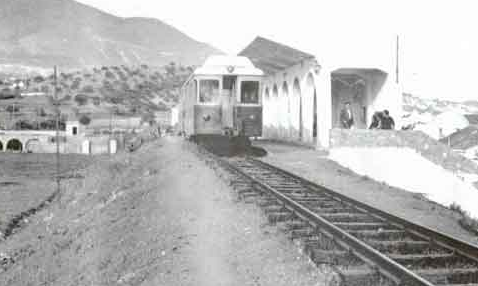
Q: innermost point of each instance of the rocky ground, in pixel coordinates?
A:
(158, 216)
(315, 166)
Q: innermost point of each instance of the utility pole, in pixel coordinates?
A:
(110, 130)
(397, 59)
(57, 134)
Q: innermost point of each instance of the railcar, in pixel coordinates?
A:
(221, 99)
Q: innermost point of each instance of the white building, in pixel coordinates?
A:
(303, 96)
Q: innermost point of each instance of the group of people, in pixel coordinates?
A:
(380, 119)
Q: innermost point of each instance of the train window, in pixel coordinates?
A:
(250, 92)
(228, 82)
(209, 91)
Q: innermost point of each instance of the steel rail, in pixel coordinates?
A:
(459, 246)
(379, 261)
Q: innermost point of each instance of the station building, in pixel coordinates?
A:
(302, 95)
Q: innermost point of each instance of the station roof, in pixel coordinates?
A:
(232, 65)
(272, 57)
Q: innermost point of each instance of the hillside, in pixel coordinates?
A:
(421, 110)
(42, 33)
(122, 90)
(435, 106)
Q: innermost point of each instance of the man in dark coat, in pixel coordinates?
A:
(376, 120)
(387, 121)
(346, 116)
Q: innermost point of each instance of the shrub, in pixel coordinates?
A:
(25, 125)
(41, 112)
(124, 86)
(466, 222)
(75, 85)
(81, 99)
(88, 89)
(12, 108)
(38, 79)
(115, 99)
(96, 100)
(110, 75)
(45, 88)
(85, 120)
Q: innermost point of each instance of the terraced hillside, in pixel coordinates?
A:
(122, 90)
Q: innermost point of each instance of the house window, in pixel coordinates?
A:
(75, 130)
(209, 91)
(250, 92)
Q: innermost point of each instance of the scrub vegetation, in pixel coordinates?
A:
(121, 90)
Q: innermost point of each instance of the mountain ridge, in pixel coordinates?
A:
(74, 35)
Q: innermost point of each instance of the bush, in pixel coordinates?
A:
(25, 125)
(110, 75)
(75, 85)
(466, 222)
(45, 88)
(88, 89)
(38, 79)
(85, 120)
(96, 100)
(41, 112)
(12, 108)
(81, 99)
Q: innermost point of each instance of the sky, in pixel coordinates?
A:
(438, 56)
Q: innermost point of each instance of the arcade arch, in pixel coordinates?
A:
(311, 94)
(297, 121)
(14, 145)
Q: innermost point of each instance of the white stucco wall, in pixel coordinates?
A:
(282, 113)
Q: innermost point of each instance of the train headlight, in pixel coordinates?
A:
(252, 117)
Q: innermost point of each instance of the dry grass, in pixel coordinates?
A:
(27, 180)
(467, 222)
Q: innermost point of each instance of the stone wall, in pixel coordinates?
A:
(428, 147)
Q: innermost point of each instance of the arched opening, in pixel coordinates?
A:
(285, 110)
(312, 100)
(1, 146)
(266, 108)
(275, 92)
(14, 145)
(275, 112)
(297, 112)
(285, 93)
(32, 146)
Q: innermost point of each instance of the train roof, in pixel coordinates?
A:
(229, 65)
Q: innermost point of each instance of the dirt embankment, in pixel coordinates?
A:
(159, 216)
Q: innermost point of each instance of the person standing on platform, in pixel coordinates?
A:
(376, 120)
(346, 117)
(387, 121)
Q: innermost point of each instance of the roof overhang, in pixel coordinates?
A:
(273, 57)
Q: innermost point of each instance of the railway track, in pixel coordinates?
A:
(365, 245)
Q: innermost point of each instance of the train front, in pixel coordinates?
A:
(224, 100)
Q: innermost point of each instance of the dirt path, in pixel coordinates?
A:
(218, 241)
(158, 216)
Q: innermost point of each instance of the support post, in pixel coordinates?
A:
(57, 133)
